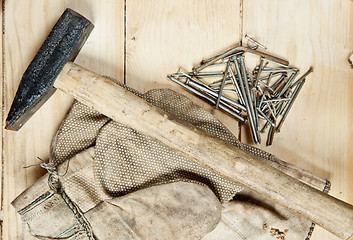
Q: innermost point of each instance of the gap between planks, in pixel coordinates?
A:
(2, 112)
(124, 43)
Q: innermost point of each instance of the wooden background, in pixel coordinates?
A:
(140, 41)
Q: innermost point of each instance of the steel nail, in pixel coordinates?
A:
(242, 88)
(221, 106)
(226, 84)
(270, 136)
(279, 64)
(208, 63)
(236, 86)
(251, 113)
(256, 116)
(290, 104)
(217, 64)
(271, 110)
(267, 86)
(199, 74)
(276, 100)
(288, 83)
(278, 70)
(265, 117)
(212, 93)
(259, 71)
(303, 77)
(279, 81)
(255, 42)
(273, 75)
(222, 85)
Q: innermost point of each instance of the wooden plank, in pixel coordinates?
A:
(2, 115)
(317, 135)
(163, 35)
(27, 23)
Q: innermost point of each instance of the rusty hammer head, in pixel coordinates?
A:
(62, 45)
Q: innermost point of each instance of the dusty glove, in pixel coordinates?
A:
(176, 210)
(124, 163)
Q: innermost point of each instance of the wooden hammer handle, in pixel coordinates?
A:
(219, 156)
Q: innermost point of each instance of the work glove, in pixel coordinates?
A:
(125, 166)
(175, 210)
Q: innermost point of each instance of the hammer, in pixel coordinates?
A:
(62, 45)
(52, 68)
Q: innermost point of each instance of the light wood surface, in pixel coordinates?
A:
(162, 36)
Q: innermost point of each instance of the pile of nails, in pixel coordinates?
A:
(262, 97)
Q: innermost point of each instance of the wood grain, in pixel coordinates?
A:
(27, 24)
(317, 135)
(165, 35)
